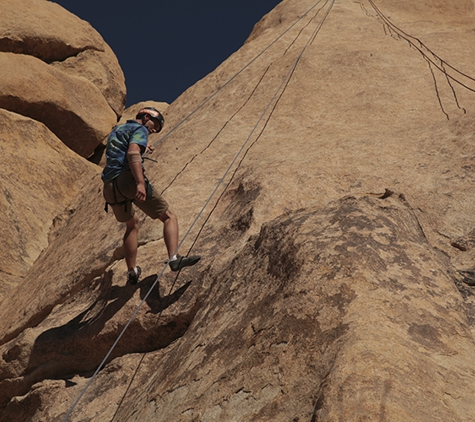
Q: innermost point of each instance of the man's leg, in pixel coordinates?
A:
(170, 232)
(170, 236)
(154, 208)
(131, 242)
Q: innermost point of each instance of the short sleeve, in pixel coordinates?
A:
(140, 137)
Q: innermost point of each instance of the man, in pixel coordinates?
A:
(125, 182)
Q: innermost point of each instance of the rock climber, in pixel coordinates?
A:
(125, 182)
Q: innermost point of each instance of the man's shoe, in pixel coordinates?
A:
(183, 261)
(134, 275)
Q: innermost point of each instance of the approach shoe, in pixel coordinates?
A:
(134, 275)
(183, 261)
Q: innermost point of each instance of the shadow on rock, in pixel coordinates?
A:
(80, 345)
(156, 303)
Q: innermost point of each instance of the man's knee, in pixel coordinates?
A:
(168, 214)
(133, 223)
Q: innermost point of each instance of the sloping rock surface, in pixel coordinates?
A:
(60, 86)
(323, 172)
(39, 176)
(332, 319)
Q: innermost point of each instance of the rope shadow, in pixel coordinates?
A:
(155, 302)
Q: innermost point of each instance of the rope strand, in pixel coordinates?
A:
(236, 75)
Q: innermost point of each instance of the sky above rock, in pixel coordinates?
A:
(165, 47)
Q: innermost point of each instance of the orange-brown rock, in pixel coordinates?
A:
(55, 68)
(327, 186)
(39, 177)
(59, 82)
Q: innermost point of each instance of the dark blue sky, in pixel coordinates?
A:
(175, 43)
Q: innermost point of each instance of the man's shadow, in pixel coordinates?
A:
(110, 301)
(79, 345)
(155, 302)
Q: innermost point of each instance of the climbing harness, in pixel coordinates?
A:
(221, 180)
(115, 190)
(127, 201)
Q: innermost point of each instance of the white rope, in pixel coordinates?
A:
(287, 76)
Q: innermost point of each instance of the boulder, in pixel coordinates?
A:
(326, 314)
(59, 71)
(59, 82)
(72, 107)
(333, 313)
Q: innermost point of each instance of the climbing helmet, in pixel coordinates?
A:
(153, 113)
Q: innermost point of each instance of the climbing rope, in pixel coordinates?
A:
(284, 84)
(432, 59)
(252, 93)
(280, 88)
(235, 75)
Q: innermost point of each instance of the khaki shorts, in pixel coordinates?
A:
(120, 193)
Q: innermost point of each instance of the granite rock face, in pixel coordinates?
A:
(324, 173)
(60, 86)
(39, 177)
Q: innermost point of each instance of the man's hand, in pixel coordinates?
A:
(141, 194)
(149, 149)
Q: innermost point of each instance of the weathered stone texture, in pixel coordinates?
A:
(338, 249)
(39, 176)
(59, 71)
(67, 105)
(59, 81)
(332, 306)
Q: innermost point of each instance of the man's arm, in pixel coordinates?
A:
(135, 163)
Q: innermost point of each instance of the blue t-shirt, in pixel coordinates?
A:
(118, 143)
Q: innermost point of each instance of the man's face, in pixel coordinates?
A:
(158, 126)
(153, 126)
